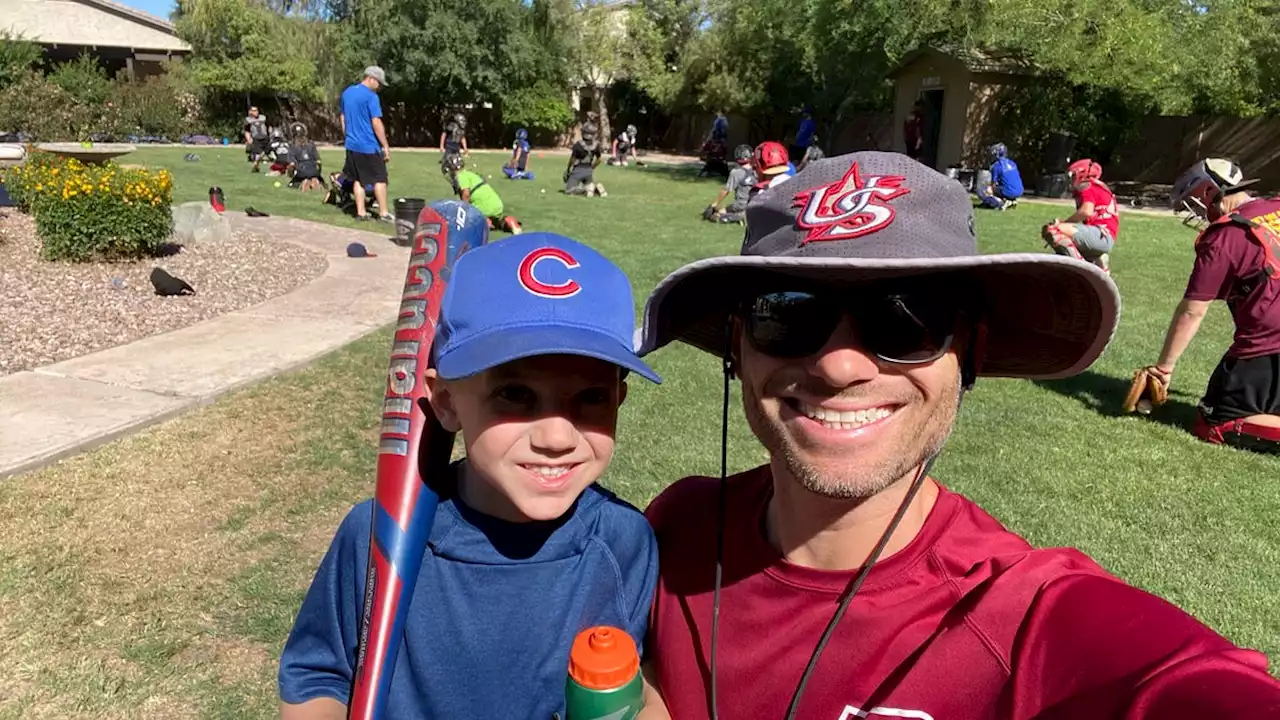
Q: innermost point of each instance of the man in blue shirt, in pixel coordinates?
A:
(1006, 181)
(368, 151)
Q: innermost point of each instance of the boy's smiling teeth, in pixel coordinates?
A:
(549, 471)
(842, 420)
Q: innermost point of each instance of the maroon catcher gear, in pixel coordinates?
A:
(770, 158)
(1239, 433)
(1259, 233)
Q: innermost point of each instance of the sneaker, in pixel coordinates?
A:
(1103, 261)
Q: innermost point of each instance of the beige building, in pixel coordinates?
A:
(958, 90)
(120, 37)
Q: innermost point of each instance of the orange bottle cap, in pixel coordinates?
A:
(603, 658)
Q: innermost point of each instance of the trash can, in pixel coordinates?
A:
(407, 211)
(1057, 152)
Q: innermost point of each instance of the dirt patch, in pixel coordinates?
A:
(56, 311)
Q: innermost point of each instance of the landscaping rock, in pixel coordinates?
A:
(195, 223)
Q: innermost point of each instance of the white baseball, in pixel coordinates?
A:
(1144, 406)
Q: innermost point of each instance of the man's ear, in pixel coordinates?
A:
(437, 395)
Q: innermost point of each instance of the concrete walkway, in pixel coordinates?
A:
(63, 408)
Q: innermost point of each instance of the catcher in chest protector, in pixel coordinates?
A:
(1237, 260)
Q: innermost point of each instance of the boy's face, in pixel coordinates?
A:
(537, 431)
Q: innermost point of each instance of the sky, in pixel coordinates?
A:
(159, 8)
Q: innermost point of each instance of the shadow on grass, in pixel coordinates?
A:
(1105, 395)
(688, 172)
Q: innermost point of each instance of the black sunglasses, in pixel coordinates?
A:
(906, 324)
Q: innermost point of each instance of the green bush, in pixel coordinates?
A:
(43, 110)
(17, 56)
(540, 106)
(90, 212)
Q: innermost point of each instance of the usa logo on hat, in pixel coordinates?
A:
(849, 207)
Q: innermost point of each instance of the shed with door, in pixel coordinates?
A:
(958, 91)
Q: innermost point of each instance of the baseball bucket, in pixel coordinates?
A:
(407, 210)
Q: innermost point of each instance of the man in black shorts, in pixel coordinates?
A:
(257, 138)
(368, 151)
(1238, 262)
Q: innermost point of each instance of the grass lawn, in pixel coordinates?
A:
(157, 576)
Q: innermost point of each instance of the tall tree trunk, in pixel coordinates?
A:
(600, 105)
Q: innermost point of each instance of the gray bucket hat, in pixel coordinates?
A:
(875, 216)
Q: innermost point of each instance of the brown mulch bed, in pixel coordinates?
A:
(55, 311)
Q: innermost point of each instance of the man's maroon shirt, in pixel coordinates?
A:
(967, 622)
(1225, 257)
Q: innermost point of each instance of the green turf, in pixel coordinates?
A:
(1054, 461)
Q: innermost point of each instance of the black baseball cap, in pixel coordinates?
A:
(872, 216)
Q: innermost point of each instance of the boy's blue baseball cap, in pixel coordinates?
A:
(535, 294)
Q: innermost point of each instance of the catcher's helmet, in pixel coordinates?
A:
(589, 132)
(631, 130)
(998, 150)
(742, 154)
(1204, 184)
(453, 162)
(461, 120)
(1084, 171)
(770, 158)
(522, 134)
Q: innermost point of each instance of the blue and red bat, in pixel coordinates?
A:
(413, 449)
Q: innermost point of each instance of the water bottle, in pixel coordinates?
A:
(604, 676)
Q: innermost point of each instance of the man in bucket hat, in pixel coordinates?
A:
(840, 580)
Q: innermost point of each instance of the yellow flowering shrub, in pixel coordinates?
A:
(88, 212)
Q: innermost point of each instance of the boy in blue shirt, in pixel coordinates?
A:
(529, 364)
(1006, 181)
(517, 167)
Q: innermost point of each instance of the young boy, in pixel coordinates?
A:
(624, 146)
(579, 176)
(526, 551)
(304, 168)
(1090, 233)
(257, 138)
(1006, 181)
(517, 167)
(453, 141)
(473, 189)
(739, 186)
(341, 193)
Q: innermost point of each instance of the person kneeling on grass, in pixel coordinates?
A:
(525, 548)
(1237, 260)
(517, 167)
(305, 169)
(579, 176)
(624, 146)
(476, 191)
(1006, 182)
(741, 180)
(1090, 233)
(342, 193)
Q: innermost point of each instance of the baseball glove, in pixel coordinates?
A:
(1145, 392)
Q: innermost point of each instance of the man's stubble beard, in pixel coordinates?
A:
(854, 481)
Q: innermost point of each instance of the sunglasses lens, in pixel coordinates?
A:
(899, 326)
(790, 324)
(907, 327)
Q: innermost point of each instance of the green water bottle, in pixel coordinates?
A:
(604, 676)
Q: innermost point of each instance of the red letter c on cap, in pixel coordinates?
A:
(537, 287)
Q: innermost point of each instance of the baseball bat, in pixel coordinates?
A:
(413, 449)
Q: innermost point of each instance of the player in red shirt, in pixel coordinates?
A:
(1237, 261)
(840, 580)
(1089, 234)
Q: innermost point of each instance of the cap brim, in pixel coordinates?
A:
(1046, 316)
(481, 353)
(774, 170)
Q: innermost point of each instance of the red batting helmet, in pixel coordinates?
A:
(1084, 171)
(770, 158)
